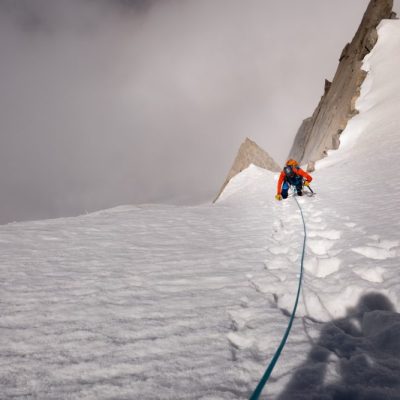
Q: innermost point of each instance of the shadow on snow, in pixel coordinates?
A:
(355, 358)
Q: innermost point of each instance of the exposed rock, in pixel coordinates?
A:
(250, 153)
(360, 80)
(371, 39)
(321, 132)
(311, 166)
(327, 86)
(300, 140)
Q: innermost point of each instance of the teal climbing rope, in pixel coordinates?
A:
(257, 392)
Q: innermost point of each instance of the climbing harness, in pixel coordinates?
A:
(257, 392)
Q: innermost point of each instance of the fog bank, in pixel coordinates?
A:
(114, 102)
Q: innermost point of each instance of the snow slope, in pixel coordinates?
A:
(163, 302)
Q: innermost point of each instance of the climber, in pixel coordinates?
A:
(292, 175)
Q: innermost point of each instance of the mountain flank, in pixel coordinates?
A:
(321, 132)
(249, 153)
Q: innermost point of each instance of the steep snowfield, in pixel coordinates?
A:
(162, 302)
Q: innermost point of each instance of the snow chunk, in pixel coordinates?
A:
(376, 253)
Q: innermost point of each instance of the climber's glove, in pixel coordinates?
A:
(278, 197)
(306, 183)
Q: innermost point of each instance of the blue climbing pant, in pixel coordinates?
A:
(298, 184)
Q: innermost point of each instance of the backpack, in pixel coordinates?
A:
(289, 172)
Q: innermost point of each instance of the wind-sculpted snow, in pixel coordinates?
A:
(130, 303)
(161, 302)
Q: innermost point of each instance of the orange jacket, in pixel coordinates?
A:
(297, 171)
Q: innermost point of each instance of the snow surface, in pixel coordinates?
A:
(164, 302)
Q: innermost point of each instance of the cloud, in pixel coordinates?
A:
(114, 102)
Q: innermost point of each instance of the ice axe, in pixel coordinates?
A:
(309, 188)
(312, 191)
